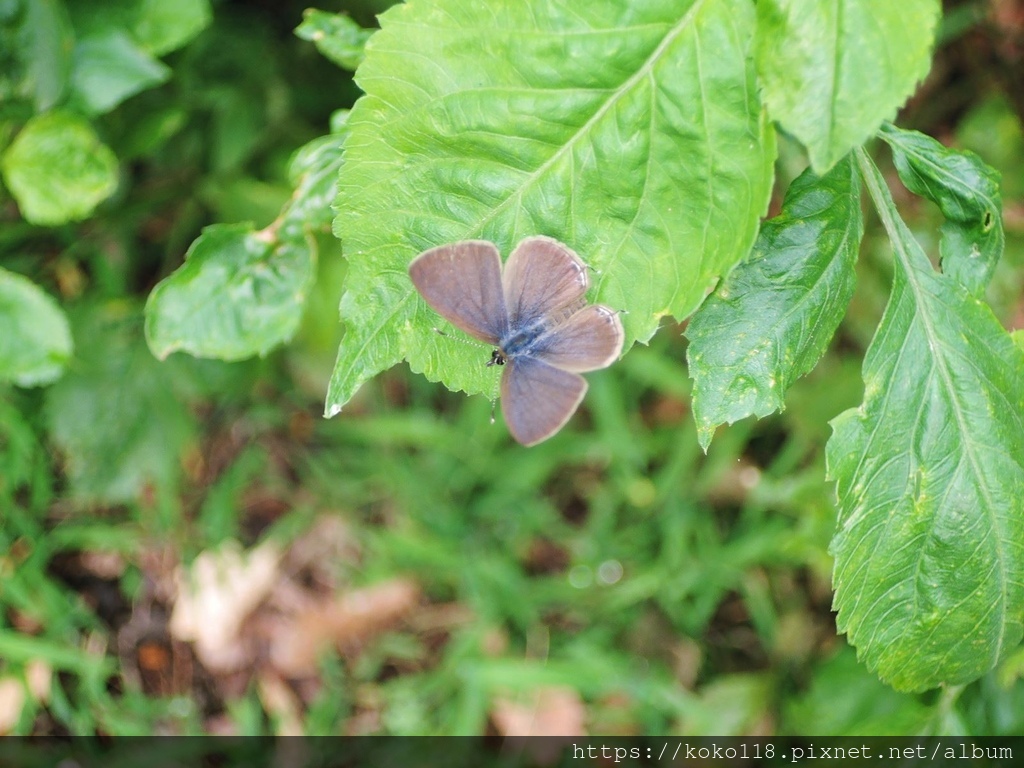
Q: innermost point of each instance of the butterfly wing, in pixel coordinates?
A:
(462, 283)
(537, 399)
(590, 339)
(541, 276)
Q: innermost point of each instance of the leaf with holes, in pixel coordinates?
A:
(966, 191)
(929, 550)
(630, 131)
(771, 319)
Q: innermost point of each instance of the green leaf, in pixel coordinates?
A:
(339, 120)
(39, 41)
(966, 191)
(35, 341)
(833, 70)
(631, 132)
(336, 36)
(239, 125)
(157, 26)
(109, 68)
(161, 27)
(314, 173)
(239, 293)
(929, 571)
(58, 170)
(772, 318)
(117, 414)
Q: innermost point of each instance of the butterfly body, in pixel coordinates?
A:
(529, 338)
(534, 312)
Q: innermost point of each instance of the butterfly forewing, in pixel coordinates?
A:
(462, 283)
(590, 339)
(538, 399)
(541, 276)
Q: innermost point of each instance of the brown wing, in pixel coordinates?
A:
(462, 283)
(538, 399)
(541, 276)
(590, 339)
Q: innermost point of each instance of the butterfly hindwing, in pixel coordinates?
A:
(589, 340)
(537, 399)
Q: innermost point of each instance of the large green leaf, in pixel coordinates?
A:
(929, 571)
(966, 191)
(630, 131)
(833, 70)
(772, 318)
(35, 341)
(57, 169)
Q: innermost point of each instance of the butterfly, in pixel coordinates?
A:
(534, 313)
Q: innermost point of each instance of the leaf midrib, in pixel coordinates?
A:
(834, 80)
(884, 206)
(836, 258)
(583, 130)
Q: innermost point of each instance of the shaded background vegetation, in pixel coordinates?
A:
(187, 546)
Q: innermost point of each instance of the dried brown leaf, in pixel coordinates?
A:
(216, 594)
(14, 691)
(346, 623)
(551, 711)
(281, 704)
(12, 700)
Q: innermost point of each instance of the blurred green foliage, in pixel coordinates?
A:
(674, 591)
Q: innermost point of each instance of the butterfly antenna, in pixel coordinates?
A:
(459, 339)
(470, 342)
(494, 399)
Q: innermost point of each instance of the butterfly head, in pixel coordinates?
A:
(497, 358)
